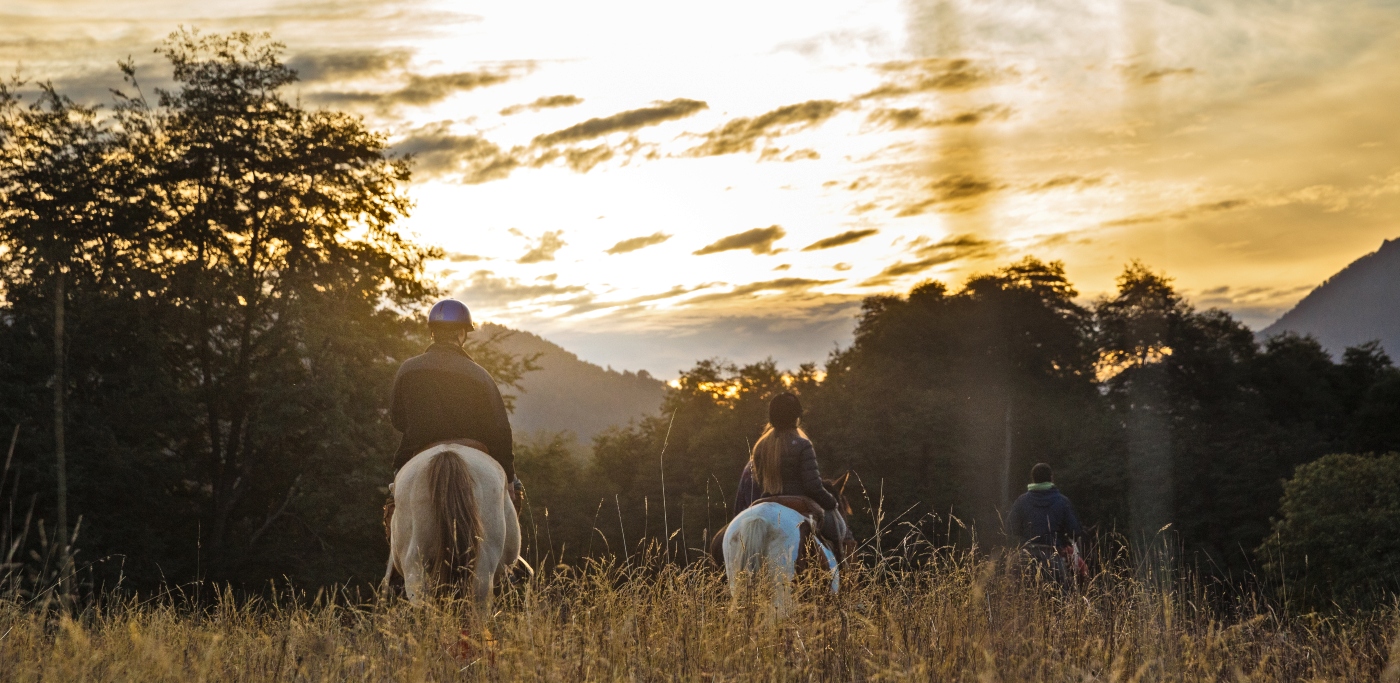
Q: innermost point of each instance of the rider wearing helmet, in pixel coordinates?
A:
(443, 395)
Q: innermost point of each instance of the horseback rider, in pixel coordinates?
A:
(443, 395)
(784, 462)
(1042, 519)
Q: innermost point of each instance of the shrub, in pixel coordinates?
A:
(1338, 534)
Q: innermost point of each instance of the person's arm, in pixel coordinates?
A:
(1072, 521)
(745, 495)
(396, 406)
(809, 474)
(499, 438)
(1014, 523)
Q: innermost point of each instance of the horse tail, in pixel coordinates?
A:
(449, 558)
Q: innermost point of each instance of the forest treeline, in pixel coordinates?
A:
(1152, 413)
(222, 275)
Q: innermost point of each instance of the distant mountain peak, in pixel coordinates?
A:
(569, 394)
(1358, 304)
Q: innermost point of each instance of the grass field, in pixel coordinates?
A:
(959, 618)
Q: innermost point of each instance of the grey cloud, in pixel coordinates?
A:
(474, 159)
(1066, 180)
(547, 102)
(914, 117)
(549, 243)
(791, 336)
(1059, 239)
(484, 288)
(1143, 75)
(960, 191)
(634, 243)
(583, 159)
(848, 237)
(786, 284)
(1189, 212)
(757, 240)
(962, 246)
(892, 272)
(437, 151)
(740, 135)
(948, 250)
(346, 64)
(1255, 306)
(422, 90)
(931, 75)
(624, 121)
(777, 154)
(590, 306)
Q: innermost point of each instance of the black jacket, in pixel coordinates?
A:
(1043, 517)
(801, 476)
(443, 394)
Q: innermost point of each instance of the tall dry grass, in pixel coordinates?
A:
(960, 616)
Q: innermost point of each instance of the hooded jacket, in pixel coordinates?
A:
(443, 394)
(1043, 517)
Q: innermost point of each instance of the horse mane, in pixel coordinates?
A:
(450, 557)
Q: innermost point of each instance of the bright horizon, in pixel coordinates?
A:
(816, 154)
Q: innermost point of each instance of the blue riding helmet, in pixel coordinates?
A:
(450, 313)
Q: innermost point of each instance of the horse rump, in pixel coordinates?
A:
(449, 558)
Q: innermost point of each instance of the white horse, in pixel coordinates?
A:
(454, 525)
(770, 541)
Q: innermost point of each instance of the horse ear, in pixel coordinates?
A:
(842, 481)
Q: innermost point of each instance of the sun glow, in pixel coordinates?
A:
(951, 137)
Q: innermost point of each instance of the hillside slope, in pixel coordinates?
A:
(568, 394)
(1358, 304)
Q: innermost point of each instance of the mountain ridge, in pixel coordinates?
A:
(569, 394)
(1359, 303)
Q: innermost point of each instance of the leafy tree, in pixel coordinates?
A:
(71, 233)
(236, 285)
(944, 401)
(1177, 380)
(1337, 535)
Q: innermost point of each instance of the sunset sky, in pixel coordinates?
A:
(648, 183)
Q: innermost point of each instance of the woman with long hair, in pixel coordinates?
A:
(783, 461)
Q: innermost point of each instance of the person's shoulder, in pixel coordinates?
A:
(798, 442)
(470, 366)
(414, 363)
